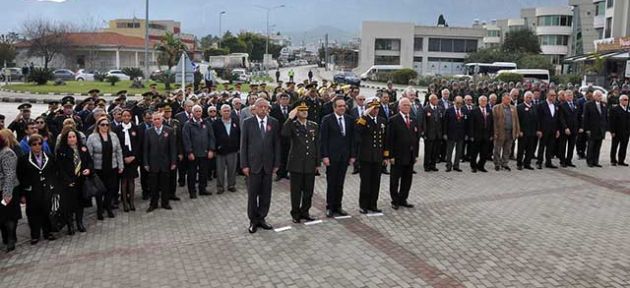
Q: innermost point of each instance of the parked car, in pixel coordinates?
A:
(85, 75)
(122, 76)
(347, 78)
(63, 74)
(584, 89)
(240, 75)
(15, 74)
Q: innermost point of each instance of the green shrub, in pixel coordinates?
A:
(99, 76)
(40, 76)
(403, 76)
(133, 72)
(112, 79)
(509, 77)
(566, 78)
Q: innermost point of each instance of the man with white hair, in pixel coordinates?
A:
(568, 130)
(527, 139)
(595, 123)
(199, 146)
(620, 131)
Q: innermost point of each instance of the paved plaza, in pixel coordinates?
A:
(543, 228)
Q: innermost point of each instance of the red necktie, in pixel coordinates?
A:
(407, 121)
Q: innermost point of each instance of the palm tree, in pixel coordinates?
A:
(171, 49)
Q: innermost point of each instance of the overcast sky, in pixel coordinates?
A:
(200, 17)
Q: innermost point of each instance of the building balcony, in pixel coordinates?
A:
(554, 30)
(599, 21)
(554, 49)
(491, 40)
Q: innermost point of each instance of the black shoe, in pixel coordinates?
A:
(427, 170)
(597, 165)
(10, 247)
(81, 228)
(51, 237)
(232, 189)
(519, 167)
(435, 169)
(457, 169)
(497, 168)
(613, 163)
(264, 225)
(395, 206)
(483, 170)
(341, 212)
(563, 165)
(126, 209)
(205, 193)
(252, 228)
(175, 198)
(474, 170)
(220, 191)
(145, 197)
(110, 214)
(34, 241)
(193, 196)
(414, 172)
(309, 218)
(363, 211)
(623, 164)
(151, 208)
(167, 207)
(572, 165)
(99, 216)
(376, 210)
(551, 166)
(448, 169)
(70, 229)
(406, 205)
(506, 168)
(539, 166)
(296, 220)
(182, 184)
(355, 171)
(330, 213)
(529, 167)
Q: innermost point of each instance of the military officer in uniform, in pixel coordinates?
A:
(314, 105)
(303, 160)
(19, 124)
(370, 130)
(169, 121)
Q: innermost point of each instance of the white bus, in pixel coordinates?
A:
(375, 70)
(490, 69)
(536, 75)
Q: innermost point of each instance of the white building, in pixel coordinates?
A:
(427, 49)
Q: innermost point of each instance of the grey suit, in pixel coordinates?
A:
(261, 155)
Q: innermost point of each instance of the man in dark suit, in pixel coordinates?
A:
(160, 158)
(183, 117)
(370, 131)
(527, 141)
(595, 123)
(620, 131)
(386, 110)
(146, 124)
(481, 130)
(569, 126)
(454, 132)
(337, 152)
(356, 112)
(281, 111)
(260, 158)
(403, 136)
(580, 145)
(432, 133)
(199, 146)
(548, 129)
(303, 160)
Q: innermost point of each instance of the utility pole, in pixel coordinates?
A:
(146, 41)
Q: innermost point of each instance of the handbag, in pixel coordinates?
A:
(56, 217)
(92, 187)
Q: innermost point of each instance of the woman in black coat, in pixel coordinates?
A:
(75, 163)
(130, 142)
(37, 173)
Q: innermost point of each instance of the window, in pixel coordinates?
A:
(600, 8)
(493, 33)
(554, 40)
(600, 33)
(126, 25)
(386, 60)
(555, 20)
(417, 59)
(608, 27)
(452, 45)
(157, 26)
(417, 44)
(610, 3)
(387, 44)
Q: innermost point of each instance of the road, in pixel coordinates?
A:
(9, 110)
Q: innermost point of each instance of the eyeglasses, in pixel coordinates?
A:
(36, 144)
(40, 122)
(103, 125)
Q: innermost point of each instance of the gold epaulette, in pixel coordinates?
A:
(386, 153)
(361, 121)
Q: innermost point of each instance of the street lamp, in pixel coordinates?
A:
(146, 41)
(268, 9)
(220, 32)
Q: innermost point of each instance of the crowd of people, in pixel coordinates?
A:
(77, 151)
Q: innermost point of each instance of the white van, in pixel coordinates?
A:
(371, 73)
(530, 74)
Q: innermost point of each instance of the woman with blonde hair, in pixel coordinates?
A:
(107, 158)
